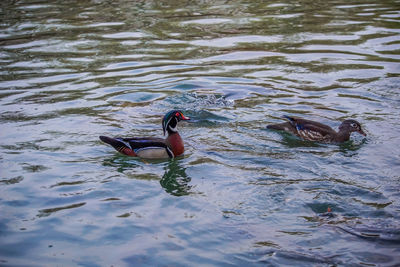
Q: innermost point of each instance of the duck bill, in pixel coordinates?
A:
(185, 118)
(362, 132)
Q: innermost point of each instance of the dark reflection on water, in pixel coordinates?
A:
(242, 195)
(175, 181)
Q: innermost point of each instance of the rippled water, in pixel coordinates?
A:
(241, 195)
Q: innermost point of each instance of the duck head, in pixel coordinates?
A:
(171, 119)
(351, 126)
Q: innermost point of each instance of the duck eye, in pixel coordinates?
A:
(177, 114)
(353, 125)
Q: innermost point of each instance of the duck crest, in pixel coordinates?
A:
(170, 121)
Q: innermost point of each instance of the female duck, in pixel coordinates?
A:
(152, 147)
(315, 131)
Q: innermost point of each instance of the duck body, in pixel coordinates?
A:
(315, 131)
(152, 147)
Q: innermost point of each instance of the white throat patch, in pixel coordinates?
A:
(173, 129)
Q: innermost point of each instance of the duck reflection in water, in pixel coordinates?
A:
(175, 181)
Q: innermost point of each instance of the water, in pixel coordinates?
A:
(242, 195)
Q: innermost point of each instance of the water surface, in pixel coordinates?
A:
(242, 195)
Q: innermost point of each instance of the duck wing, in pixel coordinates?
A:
(311, 130)
(145, 147)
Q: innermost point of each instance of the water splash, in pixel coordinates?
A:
(196, 101)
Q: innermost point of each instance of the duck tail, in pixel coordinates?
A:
(291, 119)
(278, 126)
(119, 145)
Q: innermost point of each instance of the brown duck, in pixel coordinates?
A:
(315, 131)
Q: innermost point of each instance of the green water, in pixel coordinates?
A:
(242, 195)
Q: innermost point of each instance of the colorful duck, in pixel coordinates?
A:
(315, 131)
(152, 147)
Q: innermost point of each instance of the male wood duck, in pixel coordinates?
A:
(315, 131)
(152, 147)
